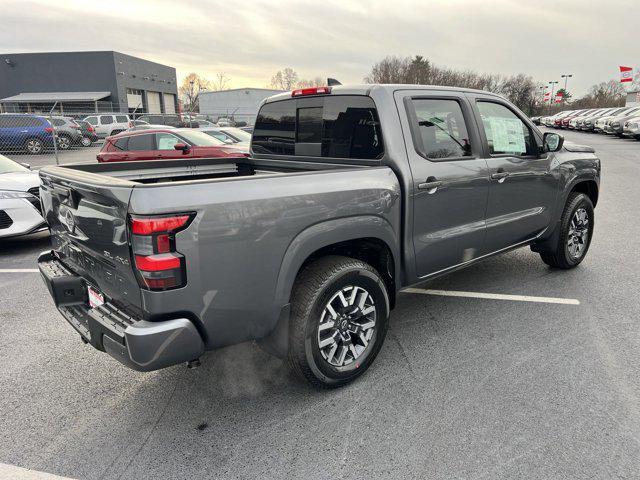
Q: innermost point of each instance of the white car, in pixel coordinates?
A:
(229, 135)
(631, 128)
(107, 124)
(19, 199)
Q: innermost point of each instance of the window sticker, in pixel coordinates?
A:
(507, 135)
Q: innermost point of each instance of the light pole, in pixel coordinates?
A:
(566, 77)
(191, 101)
(553, 84)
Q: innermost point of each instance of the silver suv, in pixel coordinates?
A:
(68, 132)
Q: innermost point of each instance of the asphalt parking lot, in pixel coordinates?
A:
(463, 388)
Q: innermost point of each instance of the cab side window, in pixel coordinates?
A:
(442, 132)
(166, 141)
(506, 133)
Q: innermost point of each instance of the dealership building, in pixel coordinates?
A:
(240, 104)
(86, 82)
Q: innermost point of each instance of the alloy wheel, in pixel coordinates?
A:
(34, 146)
(64, 143)
(347, 325)
(578, 236)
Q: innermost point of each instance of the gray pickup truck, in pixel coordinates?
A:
(351, 193)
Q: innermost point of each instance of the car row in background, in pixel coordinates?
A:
(619, 121)
(20, 211)
(34, 134)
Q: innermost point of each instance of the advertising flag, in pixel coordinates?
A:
(626, 74)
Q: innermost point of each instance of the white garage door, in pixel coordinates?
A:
(153, 102)
(169, 103)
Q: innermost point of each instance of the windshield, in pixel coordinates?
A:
(200, 139)
(241, 135)
(9, 166)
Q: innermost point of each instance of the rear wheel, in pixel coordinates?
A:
(339, 319)
(86, 142)
(576, 230)
(64, 142)
(34, 146)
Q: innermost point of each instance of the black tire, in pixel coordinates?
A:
(64, 142)
(561, 256)
(315, 286)
(86, 141)
(34, 146)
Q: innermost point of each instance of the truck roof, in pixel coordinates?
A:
(366, 89)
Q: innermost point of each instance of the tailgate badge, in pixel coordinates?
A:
(69, 221)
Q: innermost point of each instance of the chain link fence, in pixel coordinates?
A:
(53, 134)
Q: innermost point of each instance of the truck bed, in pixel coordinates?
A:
(167, 171)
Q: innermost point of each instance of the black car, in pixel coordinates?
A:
(88, 133)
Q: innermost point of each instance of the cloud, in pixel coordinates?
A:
(251, 40)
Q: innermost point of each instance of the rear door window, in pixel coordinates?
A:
(106, 119)
(141, 142)
(441, 129)
(340, 126)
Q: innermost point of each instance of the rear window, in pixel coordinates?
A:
(340, 126)
(122, 119)
(141, 142)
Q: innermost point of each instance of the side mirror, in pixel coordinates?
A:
(26, 165)
(181, 146)
(552, 142)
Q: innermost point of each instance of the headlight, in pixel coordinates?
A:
(9, 194)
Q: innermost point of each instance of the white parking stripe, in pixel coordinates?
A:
(493, 296)
(18, 473)
(19, 270)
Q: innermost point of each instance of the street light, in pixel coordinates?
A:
(553, 84)
(566, 77)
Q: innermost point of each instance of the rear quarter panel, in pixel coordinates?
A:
(243, 229)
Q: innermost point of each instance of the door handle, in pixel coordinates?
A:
(500, 175)
(431, 185)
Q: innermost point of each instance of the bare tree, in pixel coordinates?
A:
(285, 79)
(315, 82)
(220, 83)
(190, 89)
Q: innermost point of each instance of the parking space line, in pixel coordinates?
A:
(493, 296)
(19, 270)
(19, 473)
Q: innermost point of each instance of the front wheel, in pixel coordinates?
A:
(576, 230)
(339, 320)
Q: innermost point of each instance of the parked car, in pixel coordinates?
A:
(588, 121)
(166, 120)
(616, 124)
(229, 135)
(247, 129)
(632, 128)
(567, 119)
(88, 133)
(557, 121)
(305, 246)
(598, 126)
(67, 131)
(19, 199)
(573, 123)
(107, 124)
(148, 126)
(166, 143)
(28, 133)
(536, 120)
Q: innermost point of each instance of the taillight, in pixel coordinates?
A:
(311, 91)
(90, 128)
(158, 264)
(48, 129)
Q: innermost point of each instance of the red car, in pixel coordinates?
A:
(170, 143)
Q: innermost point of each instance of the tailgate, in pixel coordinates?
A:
(89, 234)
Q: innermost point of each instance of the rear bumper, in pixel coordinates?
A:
(136, 343)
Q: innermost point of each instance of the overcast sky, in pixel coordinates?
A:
(250, 40)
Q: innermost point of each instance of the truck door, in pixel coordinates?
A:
(522, 189)
(450, 180)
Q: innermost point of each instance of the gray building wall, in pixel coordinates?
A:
(84, 72)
